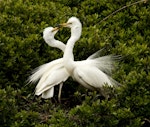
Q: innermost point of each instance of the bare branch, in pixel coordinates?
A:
(122, 9)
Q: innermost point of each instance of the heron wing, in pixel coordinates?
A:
(38, 72)
(48, 94)
(91, 77)
(54, 78)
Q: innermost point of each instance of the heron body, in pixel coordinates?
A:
(85, 72)
(92, 73)
(50, 74)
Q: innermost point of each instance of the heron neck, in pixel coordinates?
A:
(60, 45)
(56, 44)
(68, 54)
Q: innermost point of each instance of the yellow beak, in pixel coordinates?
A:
(55, 28)
(64, 24)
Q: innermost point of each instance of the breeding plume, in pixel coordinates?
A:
(89, 73)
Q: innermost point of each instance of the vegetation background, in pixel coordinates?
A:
(22, 49)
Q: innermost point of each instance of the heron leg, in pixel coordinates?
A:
(59, 94)
(104, 93)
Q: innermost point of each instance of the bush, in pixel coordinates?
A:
(22, 49)
(8, 106)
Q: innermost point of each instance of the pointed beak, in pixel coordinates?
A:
(64, 25)
(55, 29)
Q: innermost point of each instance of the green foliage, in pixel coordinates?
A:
(98, 113)
(22, 48)
(7, 106)
(25, 118)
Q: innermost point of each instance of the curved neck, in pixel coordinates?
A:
(68, 54)
(68, 57)
(60, 45)
(56, 43)
(75, 35)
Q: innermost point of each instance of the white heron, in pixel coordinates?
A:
(52, 73)
(86, 72)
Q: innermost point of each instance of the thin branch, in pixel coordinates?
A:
(147, 120)
(122, 9)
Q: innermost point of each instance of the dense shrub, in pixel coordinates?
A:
(22, 49)
(8, 106)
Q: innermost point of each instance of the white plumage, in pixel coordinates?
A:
(89, 73)
(50, 74)
(92, 73)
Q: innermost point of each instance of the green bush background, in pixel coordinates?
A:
(22, 49)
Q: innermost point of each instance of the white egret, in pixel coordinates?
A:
(48, 36)
(86, 72)
(52, 73)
